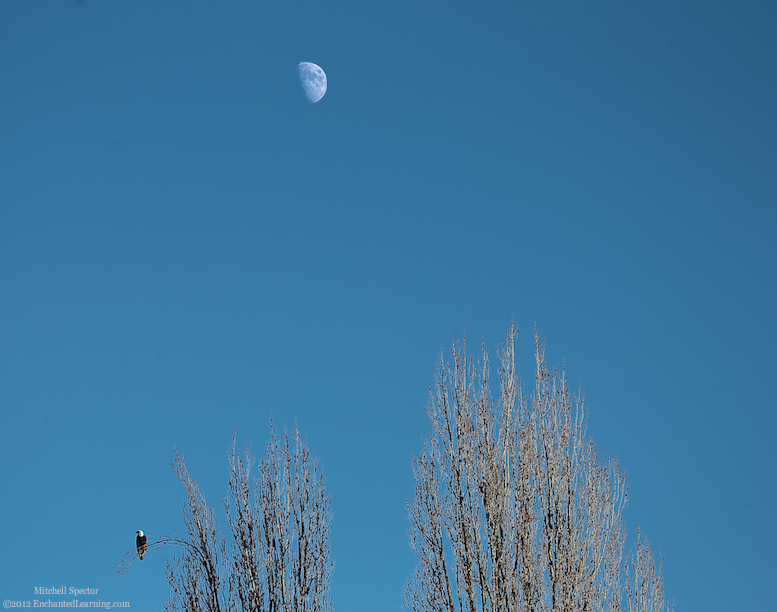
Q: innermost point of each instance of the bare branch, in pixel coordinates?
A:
(644, 580)
(195, 576)
(155, 542)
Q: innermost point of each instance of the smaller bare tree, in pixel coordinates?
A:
(277, 558)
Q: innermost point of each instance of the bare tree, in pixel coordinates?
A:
(277, 557)
(644, 581)
(513, 510)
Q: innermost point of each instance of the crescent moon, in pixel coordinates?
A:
(312, 80)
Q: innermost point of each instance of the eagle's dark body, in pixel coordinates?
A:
(140, 541)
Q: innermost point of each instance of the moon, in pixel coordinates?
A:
(312, 80)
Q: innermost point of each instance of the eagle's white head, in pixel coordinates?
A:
(140, 532)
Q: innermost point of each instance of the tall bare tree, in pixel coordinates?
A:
(513, 510)
(276, 556)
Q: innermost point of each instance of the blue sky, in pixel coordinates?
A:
(187, 245)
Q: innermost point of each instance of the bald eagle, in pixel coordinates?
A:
(140, 541)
